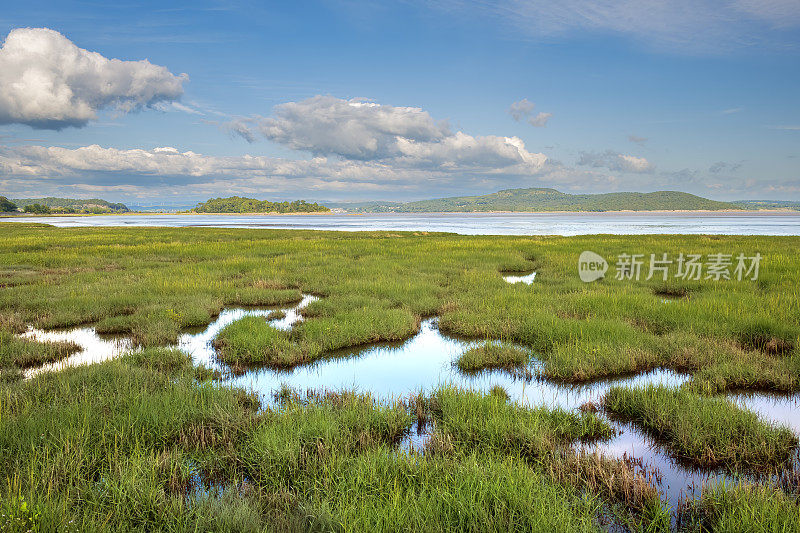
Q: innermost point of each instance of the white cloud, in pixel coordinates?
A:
(354, 129)
(520, 109)
(403, 137)
(634, 164)
(177, 106)
(356, 145)
(524, 109)
(168, 173)
(48, 82)
(540, 120)
(139, 166)
(615, 161)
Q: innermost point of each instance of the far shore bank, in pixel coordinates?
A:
(734, 212)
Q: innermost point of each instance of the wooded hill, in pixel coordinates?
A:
(536, 200)
(237, 204)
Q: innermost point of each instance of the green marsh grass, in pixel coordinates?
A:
(25, 353)
(119, 445)
(489, 422)
(137, 444)
(151, 282)
(253, 341)
(706, 431)
(113, 445)
(739, 507)
(467, 422)
(496, 355)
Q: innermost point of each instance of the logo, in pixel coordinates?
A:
(591, 266)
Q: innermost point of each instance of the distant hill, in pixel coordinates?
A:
(534, 200)
(237, 204)
(72, 205)
(758, 205)
(366, 207)
(152, 207)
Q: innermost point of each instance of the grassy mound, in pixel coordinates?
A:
(706, 431)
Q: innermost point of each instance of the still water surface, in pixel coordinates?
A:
(727, 223)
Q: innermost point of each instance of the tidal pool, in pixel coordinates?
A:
(94, 347)
(527, 279)
(421, 363)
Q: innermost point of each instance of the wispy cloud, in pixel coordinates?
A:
(685, 26)
(724, 167)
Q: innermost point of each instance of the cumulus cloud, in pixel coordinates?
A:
(521, 109)
(356, 145)
(167, 172)
(524, 109)
(615, 161)
(355, 129)
(47, 82)
(404, 137)
(96, 164)
(540, 120)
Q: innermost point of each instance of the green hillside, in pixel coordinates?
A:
(237, 204)
(367, 207)
(72, 205)
(759, 205)
(553, 200)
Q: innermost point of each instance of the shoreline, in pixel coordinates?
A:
(625, 212)
(731, 212)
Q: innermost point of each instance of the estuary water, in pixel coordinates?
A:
(625, 223)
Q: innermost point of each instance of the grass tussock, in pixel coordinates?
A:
(740, 507)
(619, 481)
(276, 315)
(766, 336)
(489, 422)
(705, 431)
(493, 355)
(23, 353)
(253, 341)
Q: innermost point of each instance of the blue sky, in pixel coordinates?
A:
(339, 100)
